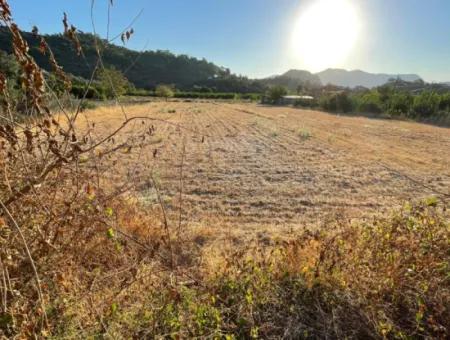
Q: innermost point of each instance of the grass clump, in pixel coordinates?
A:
(304, 134)
(274, 133)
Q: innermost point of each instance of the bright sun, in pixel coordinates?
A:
(325, 34)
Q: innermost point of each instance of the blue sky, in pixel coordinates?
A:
(252, 37)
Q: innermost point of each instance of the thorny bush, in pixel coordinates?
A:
(57, 213)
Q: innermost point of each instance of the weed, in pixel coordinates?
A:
(274, 134)
(304, 134)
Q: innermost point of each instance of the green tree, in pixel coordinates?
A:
(336, 102)
(113, 82)
(10, 69)
(370, 102)
(426, 104)
(400, 103)
(275, 93)
(385, 93)
(344, 102)
(8, 66)
(444, 103)
(164, 91)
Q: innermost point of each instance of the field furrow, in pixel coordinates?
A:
(254, 167)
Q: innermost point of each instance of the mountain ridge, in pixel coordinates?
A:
(145, 69)
(294, 78)
(354, 78)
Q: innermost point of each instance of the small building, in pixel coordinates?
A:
(292, 100)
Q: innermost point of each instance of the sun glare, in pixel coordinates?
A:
(325, 34)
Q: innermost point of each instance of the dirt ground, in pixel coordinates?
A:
(257, 168)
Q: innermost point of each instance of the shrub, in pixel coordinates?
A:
(328, 103)
(370, 103)
(114, 83)
(426, 104)
(9, 67)
(337, 102)
(275, 93)
(444, 102)
(164, 91)
(344, 103)
(80, 91)
(400, 104)
(250, 96)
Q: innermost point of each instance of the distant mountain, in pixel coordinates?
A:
(355, 78)
(292, 79)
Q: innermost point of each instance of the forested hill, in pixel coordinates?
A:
(144, 69)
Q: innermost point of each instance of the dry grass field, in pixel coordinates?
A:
(227, 220)
(260, 169)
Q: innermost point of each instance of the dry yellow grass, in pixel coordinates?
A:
(263, 170)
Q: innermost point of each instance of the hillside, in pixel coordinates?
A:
(292, 79)
(355, 78)
(149, 68)
(144, 69)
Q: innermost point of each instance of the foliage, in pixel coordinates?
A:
(336, 102)
(113, 81)
(82, 91)
(370, 102)
(426, 104)
(444, 102)
(149, 69)
(8, 66)
(400, 104)
(275, 93)
(164, 91)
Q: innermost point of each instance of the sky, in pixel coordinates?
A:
(256, 37)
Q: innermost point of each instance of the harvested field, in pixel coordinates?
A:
(253, 167)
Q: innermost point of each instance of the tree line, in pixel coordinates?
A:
(144, 70)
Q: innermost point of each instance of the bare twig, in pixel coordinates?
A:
(165, 221)
(183, 155)
(30, 258)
